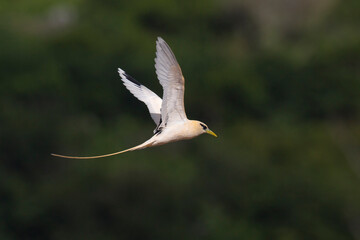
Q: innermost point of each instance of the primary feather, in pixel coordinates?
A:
(152, 101)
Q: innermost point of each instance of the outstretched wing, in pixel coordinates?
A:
(170, 77)
(152, 101)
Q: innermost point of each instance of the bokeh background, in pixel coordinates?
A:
(278, 81)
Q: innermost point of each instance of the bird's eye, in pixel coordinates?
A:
(203, 126)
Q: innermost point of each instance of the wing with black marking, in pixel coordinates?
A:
(152, 101)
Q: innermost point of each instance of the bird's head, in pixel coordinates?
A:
(203, 128)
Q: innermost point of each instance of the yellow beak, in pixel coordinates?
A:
(208, 131)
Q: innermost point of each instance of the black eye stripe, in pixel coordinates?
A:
(203, 126)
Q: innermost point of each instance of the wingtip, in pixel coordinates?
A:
(126, 77)
(120, 71)
(160, 41)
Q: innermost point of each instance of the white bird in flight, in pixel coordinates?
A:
(168, 113)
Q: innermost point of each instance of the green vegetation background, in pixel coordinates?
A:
(278, 81)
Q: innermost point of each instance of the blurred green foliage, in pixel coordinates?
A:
(279, 83)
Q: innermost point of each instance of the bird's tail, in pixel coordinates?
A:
(146, 144)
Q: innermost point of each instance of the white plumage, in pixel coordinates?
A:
(152, 101)
(168, 113)
(171, 79)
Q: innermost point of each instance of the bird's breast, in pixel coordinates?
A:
(176, 133)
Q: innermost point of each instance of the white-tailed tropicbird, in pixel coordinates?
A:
(168, 113)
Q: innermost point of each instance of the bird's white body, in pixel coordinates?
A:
(168, 113)
(176, 132)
